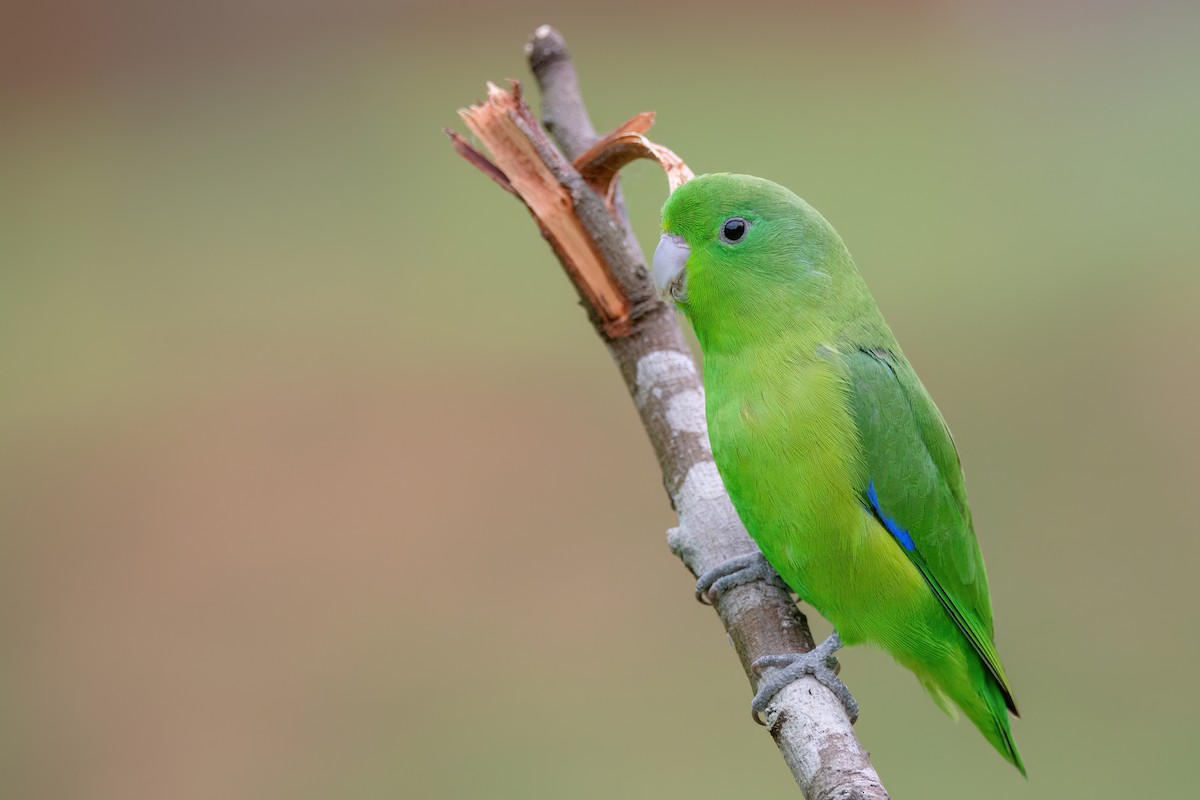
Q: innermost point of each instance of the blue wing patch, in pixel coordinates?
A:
(895, 530)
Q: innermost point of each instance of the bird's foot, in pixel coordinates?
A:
(735, 572)
(788, 667)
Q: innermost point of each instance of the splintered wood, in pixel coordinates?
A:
(626, 143)
(524, 161)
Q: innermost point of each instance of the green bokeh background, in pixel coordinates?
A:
(314, 481)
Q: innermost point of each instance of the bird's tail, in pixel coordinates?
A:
(966, 684)
(987, 709)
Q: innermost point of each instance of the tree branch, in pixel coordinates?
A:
(596, 245)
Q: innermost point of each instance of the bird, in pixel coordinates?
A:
(835, 457)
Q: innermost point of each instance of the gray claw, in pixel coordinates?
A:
(735, 572)
(788, 667)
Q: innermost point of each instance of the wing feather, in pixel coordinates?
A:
(916, 490)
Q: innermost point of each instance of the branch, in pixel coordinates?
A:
(583, 218)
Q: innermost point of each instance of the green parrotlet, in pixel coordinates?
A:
(835, 457)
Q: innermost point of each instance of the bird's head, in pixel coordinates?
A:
(739, 251)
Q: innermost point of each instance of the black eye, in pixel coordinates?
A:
(734, 229)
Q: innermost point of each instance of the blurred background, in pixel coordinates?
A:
(315, 482)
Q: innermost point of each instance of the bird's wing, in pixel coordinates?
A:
(914, 487)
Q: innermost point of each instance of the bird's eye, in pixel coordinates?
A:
(734, 229)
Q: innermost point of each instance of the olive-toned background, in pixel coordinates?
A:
(314, 481)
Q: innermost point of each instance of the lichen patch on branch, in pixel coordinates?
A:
(685, 412)
(661, 373)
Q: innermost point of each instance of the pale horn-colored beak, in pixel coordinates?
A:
(669, 270)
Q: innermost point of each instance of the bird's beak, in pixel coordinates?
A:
(670, 263)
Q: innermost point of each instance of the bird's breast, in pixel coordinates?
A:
(786, 447)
